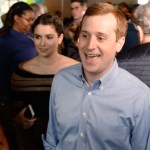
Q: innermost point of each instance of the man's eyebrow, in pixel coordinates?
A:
(102, 34)
(83, 31)
(98, 33)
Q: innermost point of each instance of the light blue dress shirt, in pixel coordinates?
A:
(112, 114)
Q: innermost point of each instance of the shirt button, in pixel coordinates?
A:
(84, 114)
(101, 87)
(81, 82)
(89, 93)
(81, 134)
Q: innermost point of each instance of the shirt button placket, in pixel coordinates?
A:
(84, 114)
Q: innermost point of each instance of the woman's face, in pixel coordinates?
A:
(23, 23)
(46, 40)
(3, 140)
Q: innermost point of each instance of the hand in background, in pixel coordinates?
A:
(24, 122)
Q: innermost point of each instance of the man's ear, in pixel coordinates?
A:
(77, 42)
(120, 44)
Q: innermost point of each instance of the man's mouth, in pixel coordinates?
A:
(92, 55)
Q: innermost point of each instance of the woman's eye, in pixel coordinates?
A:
(36, 37)
(49, 37)
(85, 35)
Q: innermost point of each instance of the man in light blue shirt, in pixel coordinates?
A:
(96, 105)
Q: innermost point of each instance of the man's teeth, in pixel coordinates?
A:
(92, 55)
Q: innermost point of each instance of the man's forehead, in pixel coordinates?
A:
(99, 21)
(104, 17)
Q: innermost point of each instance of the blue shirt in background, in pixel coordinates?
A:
(15, 47)
(112, 114)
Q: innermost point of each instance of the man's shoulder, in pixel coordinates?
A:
(73, 69)
(67, 76)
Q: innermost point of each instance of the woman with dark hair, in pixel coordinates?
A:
(31, 81)
(15, 44)
(15, 17)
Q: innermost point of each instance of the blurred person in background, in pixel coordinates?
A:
(16, 44)
(132, 36)
(124, 8)
(39, 9)
(78, 8)
(137, 60)
(58, 13)
(3, 17)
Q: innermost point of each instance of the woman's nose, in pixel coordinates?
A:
(42, 41)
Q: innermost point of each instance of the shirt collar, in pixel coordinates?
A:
(110, 75)
(105, 79)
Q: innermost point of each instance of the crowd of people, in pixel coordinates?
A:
(84, 79)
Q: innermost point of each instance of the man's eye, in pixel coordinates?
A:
(76, 8)
(84, 35)
(101, 38)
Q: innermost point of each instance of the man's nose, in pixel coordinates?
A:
(92, 43)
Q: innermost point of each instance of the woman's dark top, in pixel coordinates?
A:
(33, 89)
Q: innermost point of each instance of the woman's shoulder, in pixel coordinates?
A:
(68, 61)
(27, 65)
(65, 62)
